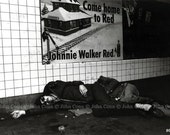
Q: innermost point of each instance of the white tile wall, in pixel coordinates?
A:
(21, 70)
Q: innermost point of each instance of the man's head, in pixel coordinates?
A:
(48, 99)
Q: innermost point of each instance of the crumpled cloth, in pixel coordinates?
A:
(78, 112)
(164, 108)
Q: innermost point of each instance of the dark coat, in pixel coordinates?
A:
(109, 84)
(67, 90)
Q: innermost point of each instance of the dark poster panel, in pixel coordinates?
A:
(81, 30)
(146, 28)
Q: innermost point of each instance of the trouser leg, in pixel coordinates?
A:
(105, 106)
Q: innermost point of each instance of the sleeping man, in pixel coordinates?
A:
(95, 95)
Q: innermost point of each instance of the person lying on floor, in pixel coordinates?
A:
(95, 95)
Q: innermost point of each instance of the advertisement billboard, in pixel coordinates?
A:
(81, 30)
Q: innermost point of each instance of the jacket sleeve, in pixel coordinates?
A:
(74, 83)
(109, 84)
(58, 87)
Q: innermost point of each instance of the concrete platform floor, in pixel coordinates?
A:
(47, 124)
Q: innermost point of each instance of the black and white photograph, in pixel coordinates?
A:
(84, 67)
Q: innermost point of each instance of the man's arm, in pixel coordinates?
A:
(74, 83)
(19, 113)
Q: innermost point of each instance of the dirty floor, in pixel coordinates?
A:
(48, 124)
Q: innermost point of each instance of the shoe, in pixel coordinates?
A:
(145, 107)
(156, 112)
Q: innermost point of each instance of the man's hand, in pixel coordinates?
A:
(18, 113)
(83, 90)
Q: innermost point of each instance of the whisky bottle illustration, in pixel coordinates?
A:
(118, 49)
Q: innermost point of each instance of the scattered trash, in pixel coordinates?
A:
(167, 106)
(2, 118)
(78, 112)
(61, 129)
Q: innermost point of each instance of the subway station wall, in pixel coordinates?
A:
(21, 69)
